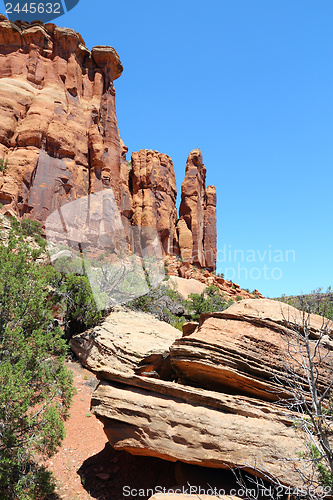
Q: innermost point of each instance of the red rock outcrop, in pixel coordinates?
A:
(154, 192)
(197, 215)
(58, 126)
(60, 139)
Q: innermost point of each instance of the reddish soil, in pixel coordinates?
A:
(87, 467)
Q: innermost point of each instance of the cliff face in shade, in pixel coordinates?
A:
(60, 139)
(197, 215)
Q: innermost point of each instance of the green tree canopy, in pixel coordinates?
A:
(36, 387)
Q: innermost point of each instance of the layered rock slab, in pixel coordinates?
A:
(125, 342)
(147, 423)
(247, 348)
(176, 421)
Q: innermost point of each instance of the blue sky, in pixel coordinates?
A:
(250, 83)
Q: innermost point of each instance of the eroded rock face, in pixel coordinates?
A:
(126, 343)
(60, 139)
(221, 411)
(58, 126)
(197, 215)
(154, 192)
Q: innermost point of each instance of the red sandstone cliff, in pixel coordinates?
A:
(60, 138)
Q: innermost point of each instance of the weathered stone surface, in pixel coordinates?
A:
(186, 286)
(58, 127)
(210, 236)
(145, 423)
(192, 207)
(154, 194)
(243, 349)
(197, 215)
(147, 413)
(125, 342)
(59, 134)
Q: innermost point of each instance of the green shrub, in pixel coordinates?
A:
(36, 387)
(81, 311)
(3, 165)
(210, 300)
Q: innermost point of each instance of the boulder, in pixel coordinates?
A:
(243, 350)
(123, 342)
(186, 286)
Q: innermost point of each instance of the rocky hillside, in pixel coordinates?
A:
(59, 141)
(212, 397)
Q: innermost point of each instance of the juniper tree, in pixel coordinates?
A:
(36, 387)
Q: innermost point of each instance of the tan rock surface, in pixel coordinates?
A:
(176, 421)
(186, 286)
(145, 423)
(244, 349)
(123, 341)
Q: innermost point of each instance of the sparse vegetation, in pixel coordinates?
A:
(3, 165)
(317, 302)
(36, 387)
(210, 300)
(167, 305)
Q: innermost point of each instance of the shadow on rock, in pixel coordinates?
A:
(118, 475)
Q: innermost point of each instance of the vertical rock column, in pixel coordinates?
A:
(192, 210)
(154, 192)
(210, 236)
(197, 215)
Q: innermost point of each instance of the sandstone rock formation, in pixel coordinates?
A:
(153, 186)
(216, 405)
(58, 126)
(250, 357)
(197, 215)
(59, 135)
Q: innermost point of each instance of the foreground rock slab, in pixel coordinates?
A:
(246, 348)
(126, 341)
(205, 399)
(146, 423)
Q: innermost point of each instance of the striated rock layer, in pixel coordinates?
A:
(213, 398)
(60, 139)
